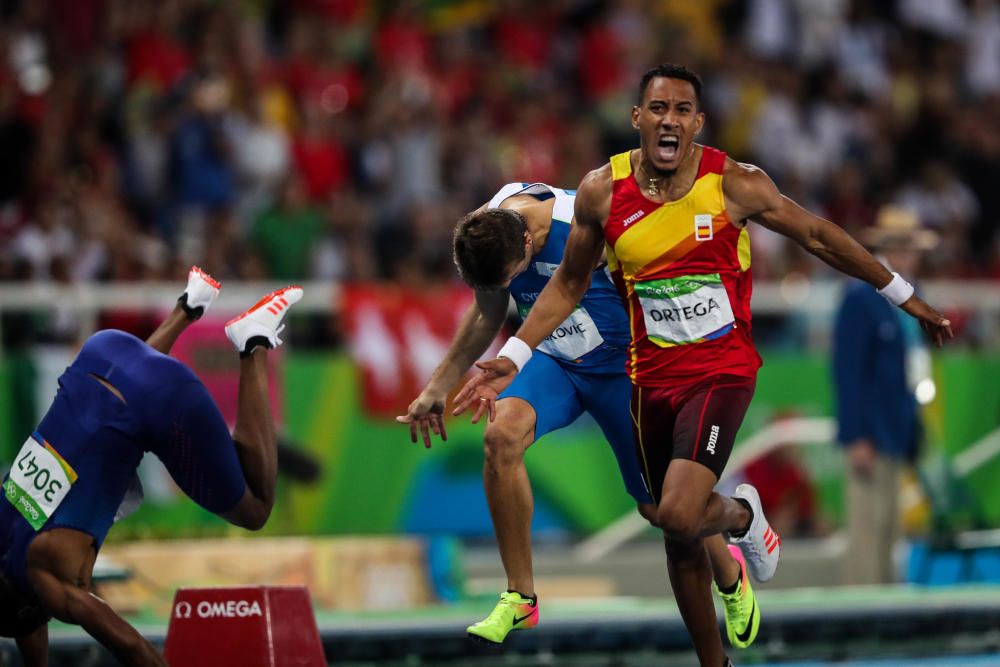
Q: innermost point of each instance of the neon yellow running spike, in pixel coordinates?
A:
(741, 610)
(513, 612)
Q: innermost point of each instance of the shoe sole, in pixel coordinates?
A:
(207, 278)
(484, 640)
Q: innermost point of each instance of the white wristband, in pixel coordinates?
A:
(897, 291)
(517, 351)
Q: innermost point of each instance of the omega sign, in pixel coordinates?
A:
(226, 609)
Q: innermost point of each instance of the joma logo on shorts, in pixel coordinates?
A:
(712, 439)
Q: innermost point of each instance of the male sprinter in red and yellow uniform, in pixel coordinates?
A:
(673, 216)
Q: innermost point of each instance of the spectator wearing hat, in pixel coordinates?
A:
(877, 408)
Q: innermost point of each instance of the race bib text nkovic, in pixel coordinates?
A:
(685, 310)
(38, 482)
(572, 339)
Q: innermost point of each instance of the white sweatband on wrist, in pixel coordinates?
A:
(897, 291)
(517, 351)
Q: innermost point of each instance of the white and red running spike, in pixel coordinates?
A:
(199, 294)
(761, 546)
(261, 324)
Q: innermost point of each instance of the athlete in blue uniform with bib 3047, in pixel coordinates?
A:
(510, 248)
(120, 398)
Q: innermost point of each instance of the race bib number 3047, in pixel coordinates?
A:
(38, 481)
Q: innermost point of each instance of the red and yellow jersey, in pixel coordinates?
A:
(682, 269)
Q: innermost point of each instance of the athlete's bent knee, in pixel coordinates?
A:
(684, 551)
(250, 513)
(257, 520)
(649, 512)
(678, 523)
(502, 446)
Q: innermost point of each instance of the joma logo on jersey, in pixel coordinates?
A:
(703, 230)
(632, 218)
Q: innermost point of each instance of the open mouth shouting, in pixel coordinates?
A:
(668, 147)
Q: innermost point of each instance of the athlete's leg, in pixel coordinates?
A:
(688, 485)
(648, 512)
(232, 478)
(690, 579)
(253, 333)
(508, 489)
(654, 422)
(255, 442)
(170, 329)
(689, 508)
(704, 427)
(231, 475)
(609, 404)
(541, 399)
(725, 569)
(201, 290)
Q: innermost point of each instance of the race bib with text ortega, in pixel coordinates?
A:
(685, 309)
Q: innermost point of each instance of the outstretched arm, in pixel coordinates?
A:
(479, 326)
(564, 290)
(72, 604)
(34, 647)
(751, 195)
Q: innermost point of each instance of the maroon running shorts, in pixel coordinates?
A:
(697, 422)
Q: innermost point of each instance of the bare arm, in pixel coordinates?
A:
(479, 326)
(72, 604)
(34, 647)
(751, 195)
(583, 252)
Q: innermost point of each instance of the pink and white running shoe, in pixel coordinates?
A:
(261, 324)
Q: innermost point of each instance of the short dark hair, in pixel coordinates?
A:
(670, 71)
(486, 243)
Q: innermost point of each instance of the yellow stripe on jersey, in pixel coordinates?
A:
(612, 260)
(621, 165)
(743, 249)
(668, 233)
(630, 301)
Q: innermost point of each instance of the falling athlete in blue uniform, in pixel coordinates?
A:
(120, 398)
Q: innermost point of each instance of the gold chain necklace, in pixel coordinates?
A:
(653, 184)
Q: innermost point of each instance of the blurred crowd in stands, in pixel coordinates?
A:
(341, 139)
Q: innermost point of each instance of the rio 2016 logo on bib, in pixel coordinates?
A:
(39, 481)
